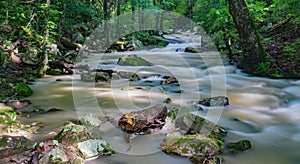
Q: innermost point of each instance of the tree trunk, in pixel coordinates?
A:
(106, 9)
(133, 4)
(253, 52)
(118, 8)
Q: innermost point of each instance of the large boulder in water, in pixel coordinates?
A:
(190, 123)
(193, 146)
(143, 120)
(133, 60)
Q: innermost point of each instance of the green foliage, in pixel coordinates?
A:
(8, 118)
(22, 90)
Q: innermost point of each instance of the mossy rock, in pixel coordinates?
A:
(168, 100)
(133, 60)
(163, 43)
(192, 145)
(96, 77)
(12, 145)
(189, 123)
(54, 72)
(22, 90)
(241, 145)
(215, 101)
(206, 160)
(196, 125)
(72, 134)
(93, 148)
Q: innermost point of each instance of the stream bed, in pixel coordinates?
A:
(265, 111)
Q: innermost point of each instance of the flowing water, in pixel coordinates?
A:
(265, 111)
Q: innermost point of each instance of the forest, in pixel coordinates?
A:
(40, 39)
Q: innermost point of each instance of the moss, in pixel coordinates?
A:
(192, 145)
(22, 90)
(133, 60)
(241, 145)
(54, 72)
(168, 100)
(163, 43)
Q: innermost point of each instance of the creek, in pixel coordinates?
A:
(265, 111)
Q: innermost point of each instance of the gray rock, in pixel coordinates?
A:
(133, 60)
(93, 148)
(215, 101)
(90, 120)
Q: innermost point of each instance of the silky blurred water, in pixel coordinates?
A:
(265, 111)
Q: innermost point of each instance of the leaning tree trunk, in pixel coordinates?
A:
(253, 52)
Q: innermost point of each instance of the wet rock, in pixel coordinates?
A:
(93, 148)
(73, 133)
(215, 101)
(54, 110)
(89, 120)
(189, 123)
(130, 88)
(101, 76)
(169, 80)
(19, 104)
(13, 145)
(206, 160)
(143, 120)
(241, 145)
(177, 112)
(54, 152)
(194, 124)
(167, 100)
(75, 143)
(192, 145)
(57, 155)
(60, 68)
(190, 50)
(135, 77)
(133, 60)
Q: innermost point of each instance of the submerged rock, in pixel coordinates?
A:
(241, 145)
(169, 80)
(215, 101)
(192, 145)
(133, 60)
